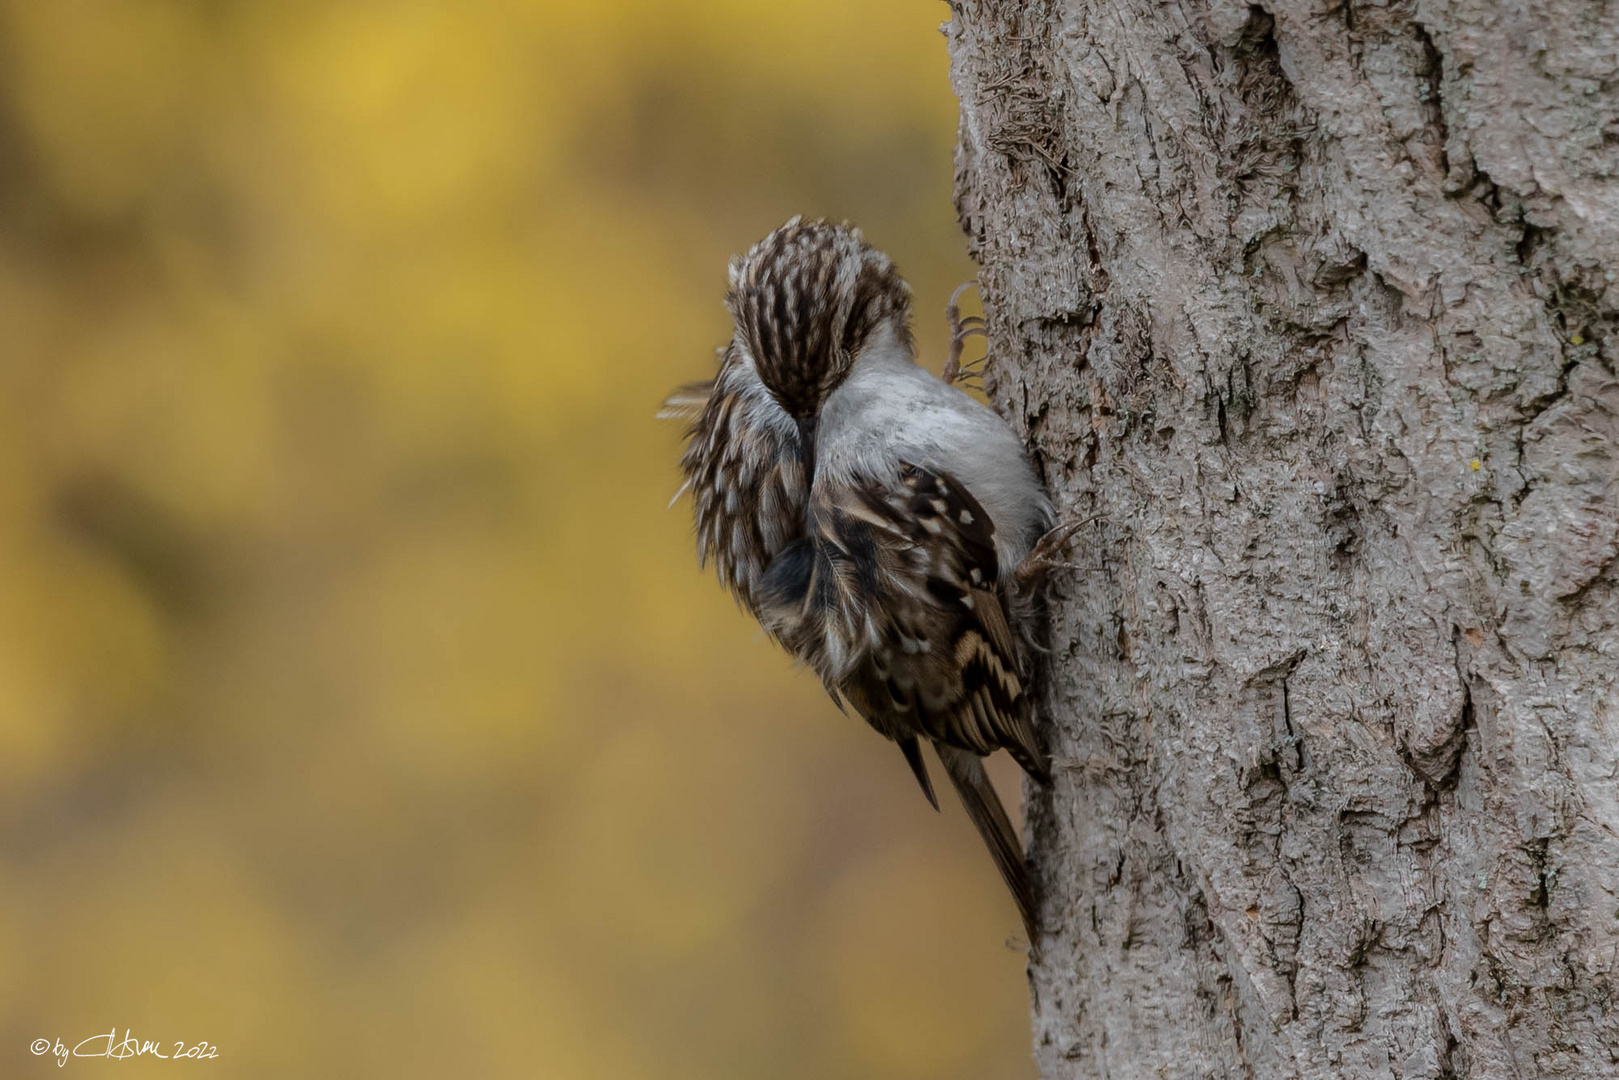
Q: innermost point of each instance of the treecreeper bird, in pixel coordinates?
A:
(880, 523)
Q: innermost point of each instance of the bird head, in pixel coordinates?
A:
(806, 300)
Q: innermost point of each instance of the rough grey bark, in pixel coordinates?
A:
(1313, 305)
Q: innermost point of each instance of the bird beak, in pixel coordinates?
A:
(806, 449)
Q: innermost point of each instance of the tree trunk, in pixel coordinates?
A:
(1312, 306)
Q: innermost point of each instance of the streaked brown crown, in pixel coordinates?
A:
(805, 299)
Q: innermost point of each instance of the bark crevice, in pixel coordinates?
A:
(1311, 306)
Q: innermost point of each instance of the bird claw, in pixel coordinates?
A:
(960, 330)
(1044, 556)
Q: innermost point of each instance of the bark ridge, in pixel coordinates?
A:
(1313, 306)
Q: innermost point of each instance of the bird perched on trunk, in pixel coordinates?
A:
(880, 523)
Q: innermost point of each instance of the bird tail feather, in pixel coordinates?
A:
(984, 807)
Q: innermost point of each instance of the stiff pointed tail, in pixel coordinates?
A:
(966, 771)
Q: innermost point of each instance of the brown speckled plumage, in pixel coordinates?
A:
(877, 567)
(805, 299)
(744, 473)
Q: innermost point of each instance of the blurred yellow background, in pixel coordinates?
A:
(362, 709)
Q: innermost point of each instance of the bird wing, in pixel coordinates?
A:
(894, 596)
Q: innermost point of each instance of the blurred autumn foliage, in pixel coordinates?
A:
(362, 709)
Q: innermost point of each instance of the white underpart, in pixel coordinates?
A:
(889, 411)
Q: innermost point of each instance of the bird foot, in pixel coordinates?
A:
(960, 330)
(1044, 557)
